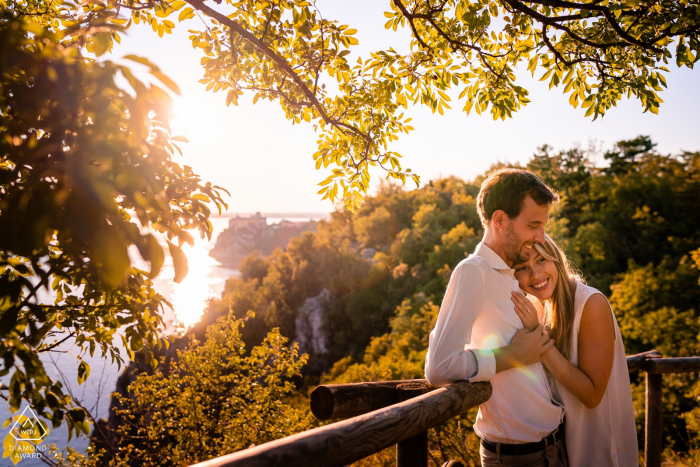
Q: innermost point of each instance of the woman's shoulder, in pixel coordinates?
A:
(584, 290)
(583, 293)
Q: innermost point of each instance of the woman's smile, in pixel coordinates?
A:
(537, 276)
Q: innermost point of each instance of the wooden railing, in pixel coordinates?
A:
(381, 414)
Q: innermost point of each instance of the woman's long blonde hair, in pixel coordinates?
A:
(559, 309)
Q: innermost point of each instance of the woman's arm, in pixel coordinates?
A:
(596, 340)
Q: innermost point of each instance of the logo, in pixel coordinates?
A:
(23, 440)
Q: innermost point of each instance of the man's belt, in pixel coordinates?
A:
(527, 448)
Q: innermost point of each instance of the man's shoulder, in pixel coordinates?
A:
(473, 263)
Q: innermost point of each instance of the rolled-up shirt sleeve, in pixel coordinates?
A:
(447, 359)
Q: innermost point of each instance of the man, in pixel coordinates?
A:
(479, 337)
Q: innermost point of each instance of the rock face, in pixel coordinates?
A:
(246, 234)
(310, 322)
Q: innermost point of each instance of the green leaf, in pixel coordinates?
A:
(83, 372)
(179, 262)
(84, 427)
(111, 255)
(101, 43)
(152, 252)
(201, 197)
(136, 343)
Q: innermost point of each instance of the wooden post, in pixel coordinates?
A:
(412, 452)
(654, 433)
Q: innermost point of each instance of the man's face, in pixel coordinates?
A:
(522, 232)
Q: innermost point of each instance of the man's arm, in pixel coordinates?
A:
(447, 360)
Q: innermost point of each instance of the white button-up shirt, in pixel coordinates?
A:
(477, 315)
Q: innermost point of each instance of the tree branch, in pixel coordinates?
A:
(410, 18)
(56, 344)
(280, 61)
(591, 7)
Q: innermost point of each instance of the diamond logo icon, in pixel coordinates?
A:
(27, 427)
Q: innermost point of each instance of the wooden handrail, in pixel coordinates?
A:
(377, 419)
(639, 361)
(661, 366)
(341, 401)
(344, 442)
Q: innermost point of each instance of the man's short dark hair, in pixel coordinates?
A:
(505, 189)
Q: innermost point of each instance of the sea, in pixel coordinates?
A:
(206, 280)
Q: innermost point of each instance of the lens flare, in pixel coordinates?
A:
(491, 341)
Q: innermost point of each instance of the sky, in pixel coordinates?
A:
(266, 163)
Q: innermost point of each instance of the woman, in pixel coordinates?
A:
(588, 360)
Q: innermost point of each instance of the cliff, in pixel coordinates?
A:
(246, 234)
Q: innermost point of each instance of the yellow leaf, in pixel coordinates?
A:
(573, 100)
(187, 13)
(166, 81)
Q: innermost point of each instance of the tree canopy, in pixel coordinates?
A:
(286, 51)
(86, 170)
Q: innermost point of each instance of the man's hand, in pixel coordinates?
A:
(525, 349)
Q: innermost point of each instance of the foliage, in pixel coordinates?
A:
(643, 207)
(658, 307)
(599, 51)
(288, 52)
(398, 354)
(86, 171)
(214, 400)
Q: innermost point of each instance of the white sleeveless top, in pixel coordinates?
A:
(606, 435)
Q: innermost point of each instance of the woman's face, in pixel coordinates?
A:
(538, 276)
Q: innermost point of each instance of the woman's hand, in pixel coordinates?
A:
(525, 310)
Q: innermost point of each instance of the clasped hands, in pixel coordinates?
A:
(528, 344)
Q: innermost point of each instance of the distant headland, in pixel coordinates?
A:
(249, 232)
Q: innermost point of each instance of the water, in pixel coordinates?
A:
(206, 279)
